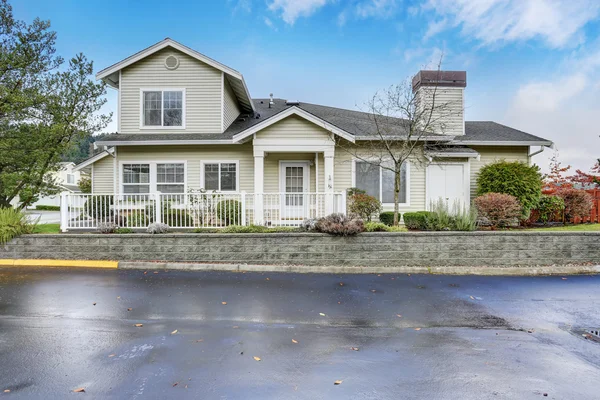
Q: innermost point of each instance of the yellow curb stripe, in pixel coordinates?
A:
(59, 263)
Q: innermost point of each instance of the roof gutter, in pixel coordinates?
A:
(506, 143)
(163, 142)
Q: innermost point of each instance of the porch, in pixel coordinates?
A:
(82, 211)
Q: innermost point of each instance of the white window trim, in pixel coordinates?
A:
(153, 173)
(286, 163)
(237, 174)
(162, 89)
(408, 181)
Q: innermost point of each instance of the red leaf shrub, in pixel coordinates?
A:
(578, 203)
(340, 224)
(363, 205)
(499, 209)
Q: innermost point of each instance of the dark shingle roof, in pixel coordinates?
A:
(356, 123)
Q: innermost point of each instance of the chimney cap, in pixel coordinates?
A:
(440, 79)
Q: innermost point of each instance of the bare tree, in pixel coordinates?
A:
(400, 120)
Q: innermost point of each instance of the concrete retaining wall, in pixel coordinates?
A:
(368, 249)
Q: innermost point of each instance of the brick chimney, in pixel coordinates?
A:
(444, 93)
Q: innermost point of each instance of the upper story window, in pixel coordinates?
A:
(70, 179)
(163, 108)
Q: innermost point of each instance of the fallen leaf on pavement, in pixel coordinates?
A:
(337, 382)
(111, 355)
(341, 283)
(94, 303)
(223, 302)
(398, 315)
(354, 348)
(6, 390)
(472, 298)
(118, 297)
(129, 309)
(294, 341)
(256, 358)
(175, 384)
(417, 329)
(138, 325)
(156, 272)
(79, 390)
(235, 327)
(145, 272)
(373, 290)
(174, 332)
(199, 340)
(321, 314)
(564, 279)
(268, 279)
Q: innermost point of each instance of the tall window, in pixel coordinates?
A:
(170, 178)
(136, 178)
(220, 176)
(379, 182)
(70, 179)
(163, 108)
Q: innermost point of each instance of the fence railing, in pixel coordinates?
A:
(195, 210)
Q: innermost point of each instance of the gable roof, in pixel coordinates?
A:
(357, 124)
(235, 78)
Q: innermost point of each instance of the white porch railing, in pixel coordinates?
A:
(196, 210)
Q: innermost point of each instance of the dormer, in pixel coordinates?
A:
(169, 87)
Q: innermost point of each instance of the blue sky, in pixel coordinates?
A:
(531, 64)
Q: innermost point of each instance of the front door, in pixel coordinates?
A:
(293, 187)
(447, 182)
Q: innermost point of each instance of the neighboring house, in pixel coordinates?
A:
(186, 121)
(67, 179)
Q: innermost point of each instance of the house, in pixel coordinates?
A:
(188, 123)
(67, 179)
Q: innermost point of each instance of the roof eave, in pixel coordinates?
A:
(162, 142)
(546, 143)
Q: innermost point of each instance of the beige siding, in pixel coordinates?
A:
(273, 174)
(194, 155)
(293, 129)
(201, 81)
(103, 175)
(448, 107)
(231, 110)
(489, 154)
(343, 176)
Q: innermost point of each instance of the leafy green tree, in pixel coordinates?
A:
(44, 110)
(85, 184)
(515, 178)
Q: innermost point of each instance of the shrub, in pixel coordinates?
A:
(14, 223)
(85, 184)
(107, 227)
(376, 227)
(578, 203)
(464, 219)
(363, 205)
(257, 229)
(157, 228)
(124, 230)
(416, 220)
(354, 191)
(42, 207)
(439, 218)
(515, 178)
(137, 219)
(177, 218)
(499, 209)
(340, 224)
(549, 206)
(387, 217)
(309, 224)
(99, 207)
(230, 211)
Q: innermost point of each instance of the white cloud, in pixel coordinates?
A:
(376, 8)
(549, 96)
(291, 10)
(558, 22)
(270, 24)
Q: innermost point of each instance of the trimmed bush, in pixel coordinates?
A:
(124, 230)
(230, 211)
(549, 207)
(387, 217)
(42, 207)
(156, 228)
(363, 205)
(107, 227)
(514, 178)
(416, 220)
(137, 219)
(340, 225)
(499, 209)
(376, 227)
(14, 223)
(578, 203)
(99, 207)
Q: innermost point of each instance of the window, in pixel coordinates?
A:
(70, 179)
(136, 178)
(170, 178)
(220, 176)
(379, 182)
(163, 108)
(163, 177)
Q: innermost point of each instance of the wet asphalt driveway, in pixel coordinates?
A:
(430, 337)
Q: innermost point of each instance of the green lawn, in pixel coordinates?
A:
(47, 228)
(570, 228)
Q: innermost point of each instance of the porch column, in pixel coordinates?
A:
(328, 181)
(259, 176)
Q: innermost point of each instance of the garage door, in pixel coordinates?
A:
(447, 182)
